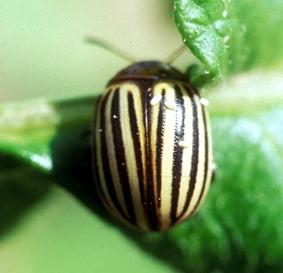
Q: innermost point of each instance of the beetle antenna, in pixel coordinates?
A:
(108, 46)
(173, 56)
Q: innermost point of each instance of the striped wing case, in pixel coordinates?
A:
(153, 156)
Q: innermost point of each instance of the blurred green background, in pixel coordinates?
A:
(43, 53)
(51, 220)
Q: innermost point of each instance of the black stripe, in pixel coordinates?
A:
(120, 154)
(95, 131)
(159, 146)
(177, 154)
(137, 148)
(195, 153)
(152, 214)
(105, 160)
(206, 161)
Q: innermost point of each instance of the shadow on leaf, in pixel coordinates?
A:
(21, 187)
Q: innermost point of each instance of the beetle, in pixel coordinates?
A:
(152, 147)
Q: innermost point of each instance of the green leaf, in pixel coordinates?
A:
(27, 129)
(53, 220)
(232, 36)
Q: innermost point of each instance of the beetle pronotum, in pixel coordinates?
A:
(152, 146)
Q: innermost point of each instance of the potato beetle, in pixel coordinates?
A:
(152, 146)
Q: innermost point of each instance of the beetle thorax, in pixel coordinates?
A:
(149, 70)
